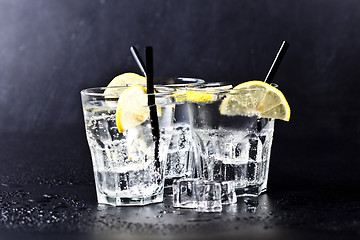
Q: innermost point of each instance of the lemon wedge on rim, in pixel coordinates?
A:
(256, 98)
(125, 79)
(205, 94)
(180, 95)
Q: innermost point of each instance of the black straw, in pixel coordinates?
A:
(275, 66)
(138, 59)
(151, 101)
(261, 122)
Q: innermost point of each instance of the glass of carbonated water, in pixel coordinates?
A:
(230, 146)
(180, 157)
(128, 163)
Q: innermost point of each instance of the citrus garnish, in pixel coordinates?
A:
(196, 96)
(256, 98)
(180, 95)
(132, 108)
(125, 79)
(204, 94)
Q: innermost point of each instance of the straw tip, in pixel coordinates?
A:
(149, 49)
(285, 43)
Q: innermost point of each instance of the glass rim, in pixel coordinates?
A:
(223, 88)
(93, 91)
(186, 81)
(211, 87)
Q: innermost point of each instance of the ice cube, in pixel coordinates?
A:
(228, 194)
(184, 193)
(208, 196)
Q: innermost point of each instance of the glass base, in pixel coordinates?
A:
(134, 201)
(250, 191)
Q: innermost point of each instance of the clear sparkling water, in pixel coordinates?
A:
(232, 155)
(180, 155)
(232, 148)
(125, 169)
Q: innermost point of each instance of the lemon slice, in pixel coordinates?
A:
(180, 95)
(132, 108)
(195, 96)
(205, 94)
(125, 79)
(256, 98)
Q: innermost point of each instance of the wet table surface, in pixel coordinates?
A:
(47, 191)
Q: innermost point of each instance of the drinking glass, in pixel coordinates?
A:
(180, 159)
(230, 147)
(128, 168)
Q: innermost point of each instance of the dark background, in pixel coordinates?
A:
(50, 50)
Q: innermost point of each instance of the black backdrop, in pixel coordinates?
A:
(51, 49)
